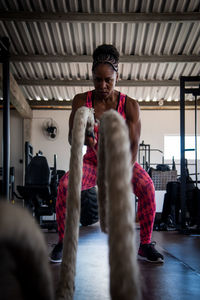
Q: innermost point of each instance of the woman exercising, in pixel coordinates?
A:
(102, 98)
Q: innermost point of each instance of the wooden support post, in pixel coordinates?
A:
(17, 98)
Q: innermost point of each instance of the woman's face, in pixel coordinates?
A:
(104, 78)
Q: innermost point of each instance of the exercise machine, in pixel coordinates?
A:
(144, 155)
(195, 91)
(40, 189)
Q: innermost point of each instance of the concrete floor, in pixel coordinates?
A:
(178, 278)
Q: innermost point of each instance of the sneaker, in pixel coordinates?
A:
(56, 254)
(148, 253)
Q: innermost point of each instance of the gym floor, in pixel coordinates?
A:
(178, 278)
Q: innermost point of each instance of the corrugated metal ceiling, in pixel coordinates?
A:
(47, 40)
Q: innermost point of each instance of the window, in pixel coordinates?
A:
(172, 146)
(84, 150)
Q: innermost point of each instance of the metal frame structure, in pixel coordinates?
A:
(195, 92)
(28, 154)
(144, 153)
(5, 60)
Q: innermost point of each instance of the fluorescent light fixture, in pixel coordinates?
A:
(169, 99)
(147, 99)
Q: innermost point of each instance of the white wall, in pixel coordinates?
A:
(155, 124)
(16, 147)
(60, 145)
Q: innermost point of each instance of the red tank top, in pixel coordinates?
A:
(90, 157)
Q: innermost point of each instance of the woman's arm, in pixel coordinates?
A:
(79, 101)
(134, 125)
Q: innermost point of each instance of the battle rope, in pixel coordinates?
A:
(83, 117)
(116, 208)
(25, 272)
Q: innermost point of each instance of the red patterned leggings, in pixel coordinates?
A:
(142, 186)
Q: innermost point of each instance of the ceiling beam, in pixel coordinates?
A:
(63, 105)
(17, 98)
(168, 105)
(89, 83)
(144, 105)
(88, 59)
(50, 104)
(22, 16)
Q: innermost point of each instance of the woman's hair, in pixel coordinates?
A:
(106, 54)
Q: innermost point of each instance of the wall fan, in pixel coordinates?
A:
(50, 129)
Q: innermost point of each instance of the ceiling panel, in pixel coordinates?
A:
(136, 38)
